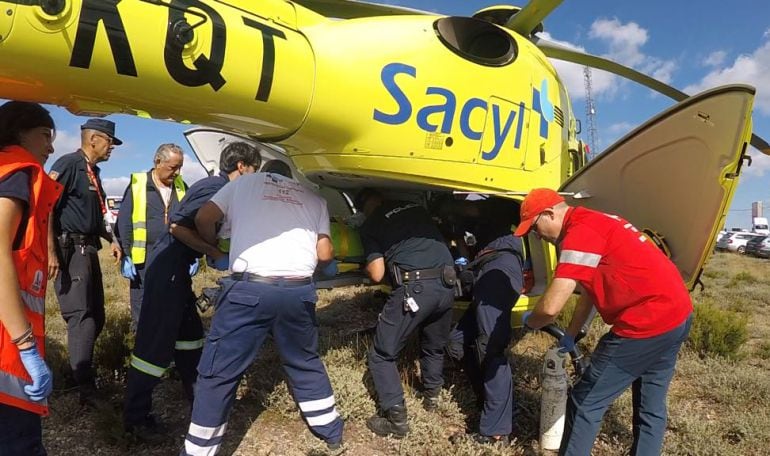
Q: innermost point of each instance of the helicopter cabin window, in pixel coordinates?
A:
(476, 40)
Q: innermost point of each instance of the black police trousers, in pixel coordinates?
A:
(480, 340)
(22, 432)
(395, 325)
(80, 293)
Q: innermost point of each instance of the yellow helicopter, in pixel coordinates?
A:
(358, 94)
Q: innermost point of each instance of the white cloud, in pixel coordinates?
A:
(751, 69)
(714, 59)
(760, 164)
(571, 74)
(625, 46)
(624, 40)
(65, 142)
(192, 171)
(620, 128)
(624, 43)
(115, 186)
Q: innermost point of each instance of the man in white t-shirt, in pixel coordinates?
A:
(279, 232)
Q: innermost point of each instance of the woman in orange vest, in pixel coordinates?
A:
(27, 195)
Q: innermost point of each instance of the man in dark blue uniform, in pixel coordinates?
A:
(401, 239)
(484, 331)
(78, 223)
(148, 201)
(169, 326)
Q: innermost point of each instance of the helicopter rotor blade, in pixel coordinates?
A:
(560, 52)
(526, 20)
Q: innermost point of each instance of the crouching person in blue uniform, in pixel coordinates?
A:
(169, 327)
(279, 232)
(401, 239)
(484, 331)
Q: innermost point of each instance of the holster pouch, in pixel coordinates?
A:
(465, 279)
(449, 276)
(395, 274)
(66, 249)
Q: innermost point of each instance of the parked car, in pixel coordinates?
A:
(736, 241)
(723, 240)
(753, 245)
(763, 251)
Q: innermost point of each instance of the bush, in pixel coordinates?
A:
(717, 332)
(741, 278)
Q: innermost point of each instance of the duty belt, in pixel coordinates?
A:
(423, 274)
(283, 281)
(79, 239)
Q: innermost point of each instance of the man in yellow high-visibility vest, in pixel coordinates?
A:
(143, 218)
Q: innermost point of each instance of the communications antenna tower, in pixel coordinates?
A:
(593, 136)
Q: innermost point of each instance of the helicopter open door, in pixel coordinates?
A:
(674, 176)
(207, 144)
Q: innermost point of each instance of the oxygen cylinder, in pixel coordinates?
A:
(553, 401)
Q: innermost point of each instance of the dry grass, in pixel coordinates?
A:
(717, 406)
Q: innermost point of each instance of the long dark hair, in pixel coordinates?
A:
(19, 116)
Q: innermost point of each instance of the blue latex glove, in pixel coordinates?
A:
(194, 266)
(42, 383)
(127, 268)
(330, 270)
(525, 317)
(566, 343)
(222, 264)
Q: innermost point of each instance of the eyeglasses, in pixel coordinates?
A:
(105, 137)
(537, 219)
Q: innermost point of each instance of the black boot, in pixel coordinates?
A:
(390, 422)
(430, 399)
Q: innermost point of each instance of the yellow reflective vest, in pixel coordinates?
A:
(139, 213)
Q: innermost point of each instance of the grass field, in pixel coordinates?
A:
(717, 405)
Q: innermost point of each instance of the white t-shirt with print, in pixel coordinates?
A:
(275, 222)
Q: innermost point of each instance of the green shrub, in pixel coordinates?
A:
(717, 332)
(713, 274)
(741, 278)
(763, 351)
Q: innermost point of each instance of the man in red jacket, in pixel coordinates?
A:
(637, 290)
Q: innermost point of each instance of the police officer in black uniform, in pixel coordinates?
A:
(401, 240)
(78, 223)
(484, 331)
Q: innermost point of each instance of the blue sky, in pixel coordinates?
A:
(690, 45)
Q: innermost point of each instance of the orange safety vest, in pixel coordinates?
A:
(31, 262)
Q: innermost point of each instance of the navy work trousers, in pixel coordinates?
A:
(169, 328)
(135, 293)
(395, 325)
(80, 293)
(647, 365)
(22, 433)
(246, 313)
(480, 339)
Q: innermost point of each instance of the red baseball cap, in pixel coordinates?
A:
(538, 200)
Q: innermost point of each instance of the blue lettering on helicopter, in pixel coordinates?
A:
(502, 122)
(542, 106)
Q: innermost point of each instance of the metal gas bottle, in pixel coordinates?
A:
(553, 400)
